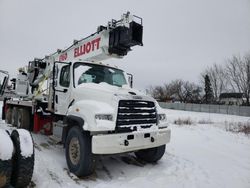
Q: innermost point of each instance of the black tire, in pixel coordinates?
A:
(79, 157)
(14, 116)
(5, 164)
(8, 116)
(5, 172)
(152, 154)
(23, 119)
(22, 165)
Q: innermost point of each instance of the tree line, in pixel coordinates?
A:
(231, 77)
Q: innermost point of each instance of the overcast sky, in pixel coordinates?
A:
(181, 37)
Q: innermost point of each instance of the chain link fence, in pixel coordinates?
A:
(209, 108)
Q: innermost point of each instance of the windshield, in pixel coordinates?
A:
(91, 73)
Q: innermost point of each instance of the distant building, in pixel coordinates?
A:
(232, 98)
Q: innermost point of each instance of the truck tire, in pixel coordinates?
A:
(8, 116)
(5, 172)
(5, 158)
(14, 116)
(23, 119)
(152, 154)
(79, 157)
(23, 159)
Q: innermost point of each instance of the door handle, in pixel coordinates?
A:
(64, 90)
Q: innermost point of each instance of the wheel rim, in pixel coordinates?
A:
(74, 151)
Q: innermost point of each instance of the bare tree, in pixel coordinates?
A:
(196, 91)
(190, 92)
(179, 90)
(237, 72)
(219, 82)
(158, 92)
(175, 88)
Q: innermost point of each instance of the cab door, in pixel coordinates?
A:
(62, 87)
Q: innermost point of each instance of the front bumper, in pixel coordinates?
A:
(127, 142)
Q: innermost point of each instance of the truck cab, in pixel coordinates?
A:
(98, 99)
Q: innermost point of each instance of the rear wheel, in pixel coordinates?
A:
(5, 172)
(23, 159)
(23, 119)
(152, 154)
(8, 115)
(14, 117)
(80, 159)
(6, 152)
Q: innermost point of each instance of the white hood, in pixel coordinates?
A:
(105, 93)
(91, 99)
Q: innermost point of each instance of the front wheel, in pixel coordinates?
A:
(152, 154)
(79, 157)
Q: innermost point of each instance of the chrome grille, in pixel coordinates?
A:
(135, 113)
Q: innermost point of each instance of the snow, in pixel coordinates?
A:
(26, 143)
(202, 154)
(6, 146)
(200, 117)
(100, 86)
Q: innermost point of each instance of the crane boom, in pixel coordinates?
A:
(112, 41)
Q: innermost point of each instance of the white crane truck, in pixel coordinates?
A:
(89, 106)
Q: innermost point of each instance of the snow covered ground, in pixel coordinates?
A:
(202, 154)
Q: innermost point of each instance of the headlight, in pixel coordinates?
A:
(162, 121)
(108, 117)
(162, 117)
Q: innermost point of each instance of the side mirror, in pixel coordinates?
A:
(4, 77)
(130, 79)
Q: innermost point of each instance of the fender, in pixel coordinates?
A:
(71, 121)
(87, 109)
